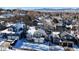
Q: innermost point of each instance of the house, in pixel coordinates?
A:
(63, 33)
(18, 26)
(8, 34)
(2, 27)
(38, 40)
(67, 44)
(54, 37)
(59, 27)
(31, 30)
(40, 33)
(19, 29)
(37, 36)
(69, 26)
(14, 31)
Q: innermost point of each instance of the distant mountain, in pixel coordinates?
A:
(42, 8)
(58, 9)
(49, 9)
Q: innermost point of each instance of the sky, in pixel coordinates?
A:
(31, 4)
(39, 3)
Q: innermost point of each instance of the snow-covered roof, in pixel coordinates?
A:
(1, 16)
(6, 15)
(58, 17)
(69, 26)
(7, 31)
(31, 30)
(16, 25)
(21, 14)
(1, 22)
(40, 32)
(9, 24)
(55, 33)
(19, 25)
(1, 42)
(3, 11)
(40, 23)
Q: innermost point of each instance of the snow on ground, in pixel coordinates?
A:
(36, 46)
(22, 44)
(56, 48)
(1, 42)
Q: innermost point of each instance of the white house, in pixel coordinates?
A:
(31, 30)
